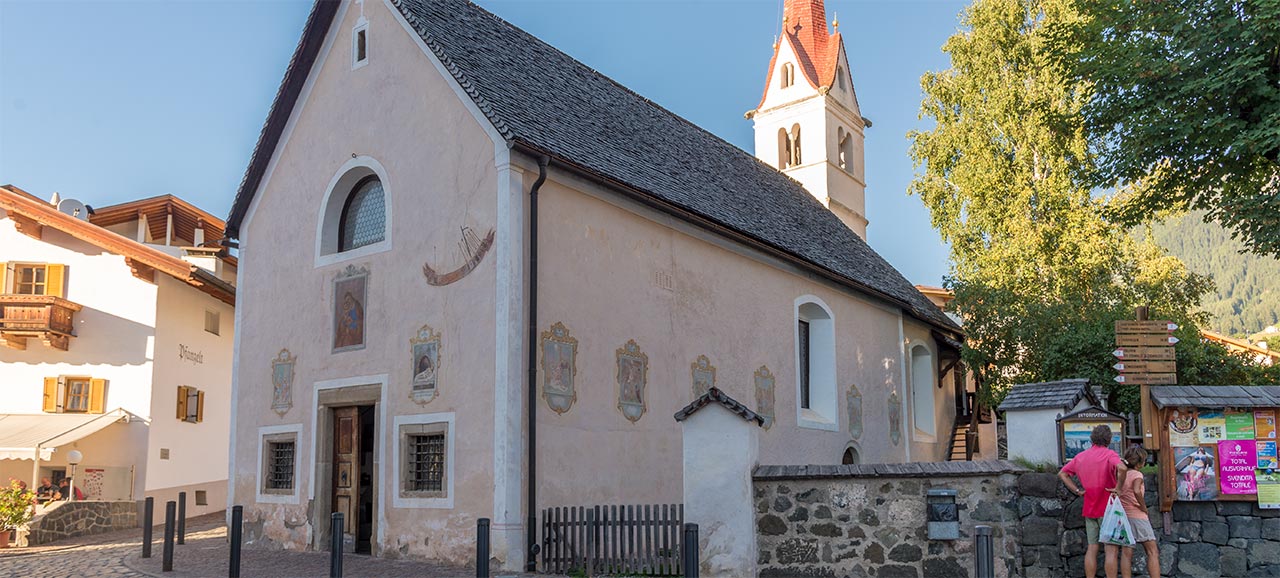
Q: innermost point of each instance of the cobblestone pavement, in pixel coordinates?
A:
(203, 555)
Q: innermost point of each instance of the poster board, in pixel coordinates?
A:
(1074, 430)
(1219, 454)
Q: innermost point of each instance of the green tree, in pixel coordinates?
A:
(1185, 107)
(1039, 272)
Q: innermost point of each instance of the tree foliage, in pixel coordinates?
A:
(1247, 299)
(1185, 110)
(1039, 272)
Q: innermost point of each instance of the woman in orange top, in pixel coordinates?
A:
(1132, 492)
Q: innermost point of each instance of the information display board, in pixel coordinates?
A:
(1220, 454)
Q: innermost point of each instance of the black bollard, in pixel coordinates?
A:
(237, 526)
(335, 546)
(148, 511)
(170, 511)
(182, 517)
(984, 562)
(690, 551)
(482, 548)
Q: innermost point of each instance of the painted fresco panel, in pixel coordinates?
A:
(559, 353)
(633, 376)
(350, 289)
(425, 359)
(765, 399)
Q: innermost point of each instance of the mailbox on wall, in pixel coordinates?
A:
(943, 515)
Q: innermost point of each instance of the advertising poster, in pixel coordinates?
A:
(1268, 490)
(1197, 473)
(1267, 456)
(1239, 425)
(1237, 466)
(1183, 428)
(1264, 424)
(1212, 426)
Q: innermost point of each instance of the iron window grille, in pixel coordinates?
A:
(280, 459)
(426, 463)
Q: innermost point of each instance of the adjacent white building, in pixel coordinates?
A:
(117, 329)
(1031, 413)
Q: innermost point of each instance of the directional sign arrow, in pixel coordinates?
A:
(1119, 366)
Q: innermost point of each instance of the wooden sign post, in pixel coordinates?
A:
(1145, 357)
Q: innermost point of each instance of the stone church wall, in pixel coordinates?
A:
(870, 521)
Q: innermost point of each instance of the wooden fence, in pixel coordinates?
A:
(610, 540)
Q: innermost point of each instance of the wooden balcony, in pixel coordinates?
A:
(44, 317)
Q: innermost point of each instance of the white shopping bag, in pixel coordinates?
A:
(1115, 528)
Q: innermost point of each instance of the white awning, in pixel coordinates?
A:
(22, 434)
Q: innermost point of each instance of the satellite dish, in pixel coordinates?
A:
(74, 208)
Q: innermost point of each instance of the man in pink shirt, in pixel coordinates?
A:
(1099, 469)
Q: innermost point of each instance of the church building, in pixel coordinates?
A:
(480, 279)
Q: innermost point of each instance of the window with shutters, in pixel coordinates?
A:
(33, 279)
(279, 457)
(190, 404)
(424, 465)
(77, 395)
(74, 394)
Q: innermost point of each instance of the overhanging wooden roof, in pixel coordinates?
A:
(143, 260)
(186, 217)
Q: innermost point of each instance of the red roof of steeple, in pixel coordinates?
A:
(804, 25)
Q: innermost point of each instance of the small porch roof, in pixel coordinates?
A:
(21, 435)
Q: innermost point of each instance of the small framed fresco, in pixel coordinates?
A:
(425, 365)
(559, 358)
(764, 395)
(633, 375)
(350, 289)
(895, 418)
(282, 382)
(853, 403)
(704, 376)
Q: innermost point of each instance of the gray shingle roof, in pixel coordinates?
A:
(1216, 395)
(545, 101)
(714, 395)
(1063, 394)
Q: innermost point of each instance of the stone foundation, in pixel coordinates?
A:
(871, 520)
(70, 519)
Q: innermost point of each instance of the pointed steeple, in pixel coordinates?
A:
(806, 22)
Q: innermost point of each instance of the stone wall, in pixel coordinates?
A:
(1205, 538)
(70, 519)
(870, 520)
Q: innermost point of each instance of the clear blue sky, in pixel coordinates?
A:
(110, 101)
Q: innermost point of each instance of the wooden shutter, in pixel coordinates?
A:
(97, 396)
(4, 268)
(182, 402)
(199, 406)
(51, 395)
(55, 280)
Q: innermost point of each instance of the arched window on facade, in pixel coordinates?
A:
(840, 77)
(846, 150)
(795, 145)
(784, 149)
(815, 364)
(850, 457)
(923, 376)
(363, 220)
(788, 75)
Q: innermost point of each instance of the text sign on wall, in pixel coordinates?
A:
(1238, 459)
(189, 354)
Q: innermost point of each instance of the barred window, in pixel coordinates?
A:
(363, 220)
(279, 467)
(426, 463)
(424, 460)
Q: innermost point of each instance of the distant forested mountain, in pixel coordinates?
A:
(1248, 296)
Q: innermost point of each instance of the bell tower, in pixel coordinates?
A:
(808, 124)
